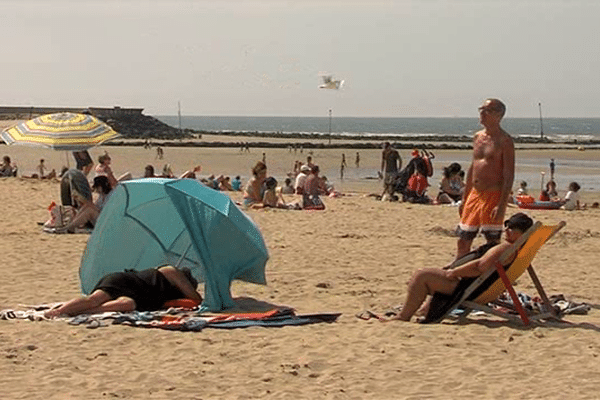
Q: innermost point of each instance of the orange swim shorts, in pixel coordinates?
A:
(477, 214)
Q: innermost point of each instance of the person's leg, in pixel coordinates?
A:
(492, 236)
(443, 198)
(425, 282)
(463, 246)
(80, 305)
(87, 213)
(470, 223)
(122, 304)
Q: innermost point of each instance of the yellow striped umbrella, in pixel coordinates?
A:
(61, 131)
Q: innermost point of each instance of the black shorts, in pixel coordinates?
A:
(82, 158)
(490, 236)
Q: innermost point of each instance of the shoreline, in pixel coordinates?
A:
(266, 140)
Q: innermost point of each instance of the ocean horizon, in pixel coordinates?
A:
(552, 128)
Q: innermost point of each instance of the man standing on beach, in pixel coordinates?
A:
(391, 162)
(489, 179)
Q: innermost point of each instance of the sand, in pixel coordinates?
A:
(363, 250)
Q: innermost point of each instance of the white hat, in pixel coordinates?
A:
(305, 168)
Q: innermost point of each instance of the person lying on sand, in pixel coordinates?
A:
(145, 290)
(427, 281)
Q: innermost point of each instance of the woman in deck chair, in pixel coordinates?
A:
(427, 281)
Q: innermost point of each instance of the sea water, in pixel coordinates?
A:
(553, 128)
(585, 172)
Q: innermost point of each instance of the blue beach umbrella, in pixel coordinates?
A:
(151, 222)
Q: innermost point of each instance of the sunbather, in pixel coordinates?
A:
(130, 290)
(7, 168)
(427, 281)
(254, 190)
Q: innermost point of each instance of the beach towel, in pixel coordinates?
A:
(179, 319)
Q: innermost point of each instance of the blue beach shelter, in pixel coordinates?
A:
(152, 222)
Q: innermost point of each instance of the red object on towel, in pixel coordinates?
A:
(183, 303)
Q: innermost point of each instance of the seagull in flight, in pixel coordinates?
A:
(330, 83)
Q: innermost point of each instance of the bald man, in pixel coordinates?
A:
(489, 179)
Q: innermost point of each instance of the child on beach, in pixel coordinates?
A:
(272, 198)
(551, 189)
(287, 188)
(522, 191)
(42, 169)
(571, 201)
(236, 184)
(7, 168)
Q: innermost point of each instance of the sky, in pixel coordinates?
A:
(426, 58)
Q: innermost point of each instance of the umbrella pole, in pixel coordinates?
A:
(183, 256)
(67, 156)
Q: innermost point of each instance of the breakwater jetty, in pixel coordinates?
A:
(138, 129)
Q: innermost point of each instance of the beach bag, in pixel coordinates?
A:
(60, 216)
(417, 183)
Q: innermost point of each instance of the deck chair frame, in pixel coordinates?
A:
(548, 312)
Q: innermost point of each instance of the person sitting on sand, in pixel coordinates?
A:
(287, 187)
(7, 168)
(75, 191)
(522, 191)
(86, 214)
(325, 188)
(236, 184)
(102, 186)
(253, 193)
(270, 197)
(103, 169)
(167, 171)
(225, 184)
(571, 201)
(312, 187)
(427, 281)
(149, 172)
(451, 185)
(301, 179)
(145, 290)
(551, 189)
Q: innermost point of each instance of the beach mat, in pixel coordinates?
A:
(180, 319)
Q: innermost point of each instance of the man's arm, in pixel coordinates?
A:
(178, 279)
(508, 176)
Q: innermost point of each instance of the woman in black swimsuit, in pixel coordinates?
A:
(133, 290)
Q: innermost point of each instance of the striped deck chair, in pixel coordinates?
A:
(476, 293)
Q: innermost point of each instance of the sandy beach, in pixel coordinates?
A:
(356, 254)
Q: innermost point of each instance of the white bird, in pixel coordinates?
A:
(330, 83)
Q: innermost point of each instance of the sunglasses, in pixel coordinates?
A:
(487, 110)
